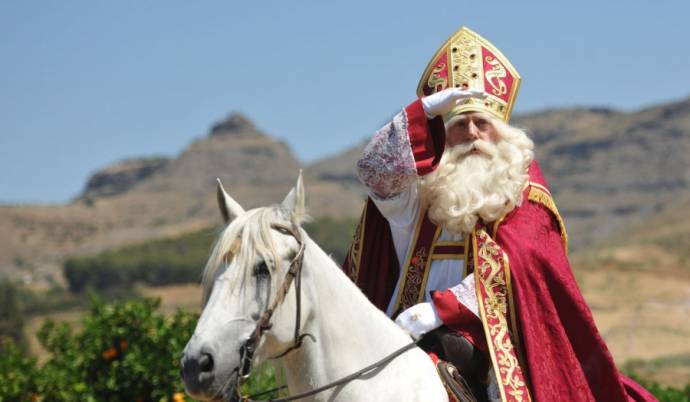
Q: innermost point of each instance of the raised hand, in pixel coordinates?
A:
(444, 101)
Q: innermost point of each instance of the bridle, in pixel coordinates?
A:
(248, 349)
(294, 273)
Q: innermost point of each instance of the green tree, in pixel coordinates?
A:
(11, 316)
(18, 374)
(125, 351)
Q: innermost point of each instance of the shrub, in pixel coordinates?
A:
(11, 315)
(18, 374)
(125, 351)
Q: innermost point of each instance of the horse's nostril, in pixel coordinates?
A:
(206, 363)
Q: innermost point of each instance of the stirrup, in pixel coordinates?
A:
(456, 386)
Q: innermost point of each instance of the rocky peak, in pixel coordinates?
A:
(235, 124)
(122, 176)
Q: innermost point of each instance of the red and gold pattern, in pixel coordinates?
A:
(466, 60)
(492, 272)
(357, 245)
(416, 271)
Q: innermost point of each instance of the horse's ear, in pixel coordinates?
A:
(294, 201)
(229, 208)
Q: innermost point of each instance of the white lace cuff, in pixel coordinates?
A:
(387, 166)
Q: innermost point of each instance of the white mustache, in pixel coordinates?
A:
(460, 151)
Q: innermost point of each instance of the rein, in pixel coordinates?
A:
(387, 359)
(264, 324)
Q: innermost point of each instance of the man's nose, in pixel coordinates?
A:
(473, 131)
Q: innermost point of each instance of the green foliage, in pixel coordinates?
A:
(638, 370)
(333, 235)
(664, 393)
(11, 316)
(125, 351)
(18, 374)
(54, 299)
(156, 263)
(262, 379)
(180, 259)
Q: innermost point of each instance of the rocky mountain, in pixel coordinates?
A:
(139, 199)
(121, 177)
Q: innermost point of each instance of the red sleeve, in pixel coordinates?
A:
(427, 138)
(459, 318)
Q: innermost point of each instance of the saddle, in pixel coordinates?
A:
(462, 367)
(458, 389)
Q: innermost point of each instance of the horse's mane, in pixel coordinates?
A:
(243, 240)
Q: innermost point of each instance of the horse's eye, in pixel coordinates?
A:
(261, 270)
(283, 230)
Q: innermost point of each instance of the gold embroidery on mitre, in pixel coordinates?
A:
(465, 53)
(496, 73)
(491, 266)
(540, 195)
(436, 81)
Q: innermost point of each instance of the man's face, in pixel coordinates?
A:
(470, 127)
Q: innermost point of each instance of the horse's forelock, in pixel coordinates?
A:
(253, 232)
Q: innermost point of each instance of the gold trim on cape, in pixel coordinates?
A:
(494, 297)
(541, 195)
(357, 246)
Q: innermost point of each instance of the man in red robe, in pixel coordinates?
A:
(460, 236)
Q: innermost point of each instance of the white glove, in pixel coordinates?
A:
(419, 319)
(444, 101)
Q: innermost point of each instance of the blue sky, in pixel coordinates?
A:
(86, 83)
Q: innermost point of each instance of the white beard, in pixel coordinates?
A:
(470, 185)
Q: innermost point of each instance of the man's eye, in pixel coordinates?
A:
(261, 270)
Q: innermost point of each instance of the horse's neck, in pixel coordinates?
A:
(351, 332)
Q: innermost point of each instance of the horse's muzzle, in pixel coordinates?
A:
(197, 369)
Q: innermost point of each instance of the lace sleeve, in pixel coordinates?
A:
(387, 165)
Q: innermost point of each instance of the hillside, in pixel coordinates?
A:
(638, 286)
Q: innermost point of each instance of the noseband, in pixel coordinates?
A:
(294, 273)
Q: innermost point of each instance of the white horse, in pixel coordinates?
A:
(241, 281)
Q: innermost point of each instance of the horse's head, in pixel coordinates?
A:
(247, 266)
